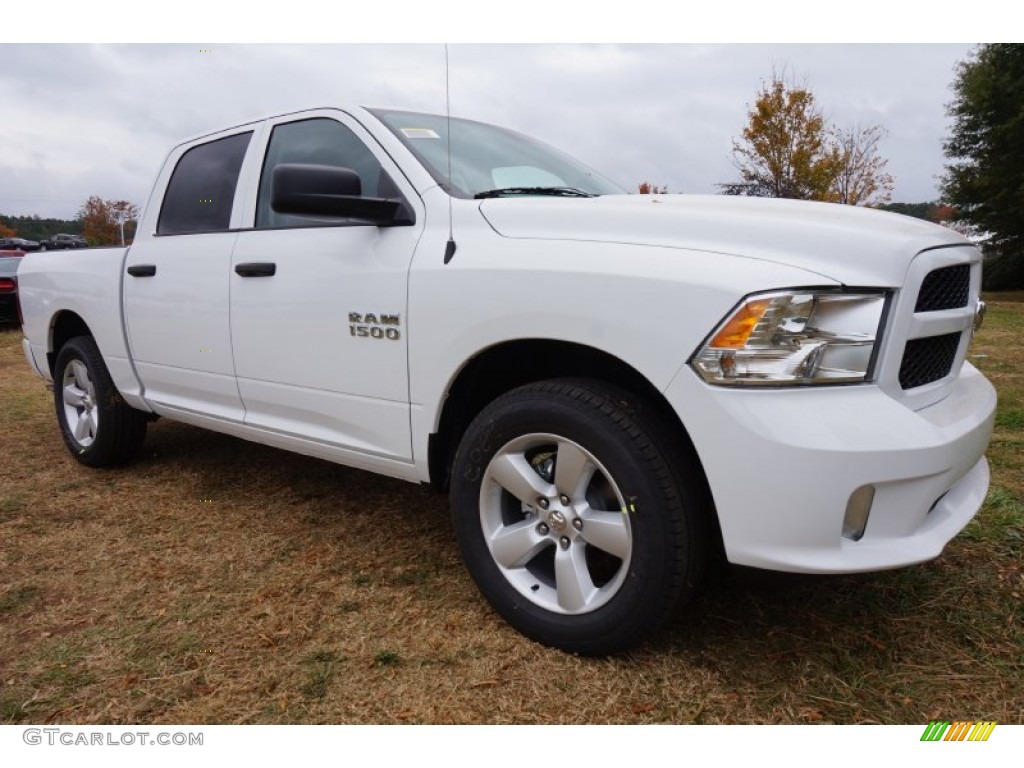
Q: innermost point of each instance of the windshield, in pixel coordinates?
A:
(487, 159)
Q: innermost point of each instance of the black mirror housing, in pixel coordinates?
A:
(325, 190)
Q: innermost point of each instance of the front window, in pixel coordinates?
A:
(486, 159)
(318, 141)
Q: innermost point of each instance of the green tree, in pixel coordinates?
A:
(984, 179)
(35, 228)
(787, 149)
(926, 211)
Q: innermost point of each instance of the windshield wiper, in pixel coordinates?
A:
(550, 191)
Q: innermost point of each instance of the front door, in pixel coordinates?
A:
(318, 321)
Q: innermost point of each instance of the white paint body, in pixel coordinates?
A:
(644, 279)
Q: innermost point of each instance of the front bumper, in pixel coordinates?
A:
(782, 465)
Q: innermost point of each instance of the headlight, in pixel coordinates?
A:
(794, 337)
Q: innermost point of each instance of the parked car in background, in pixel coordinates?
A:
(18, 244)
(60, 242)
(9, 312)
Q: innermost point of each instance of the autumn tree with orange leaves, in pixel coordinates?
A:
(102, 220)
(788, 149)
(646, 188)
(785, 150)
(6, 231)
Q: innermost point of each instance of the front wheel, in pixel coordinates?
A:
(573, 517)
(98, 426)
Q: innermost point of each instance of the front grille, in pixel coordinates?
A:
(927, 360)
(946, 288)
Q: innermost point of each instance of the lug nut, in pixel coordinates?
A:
(564, 499)
(577, 524)
(542, 529)
(543, 503)
(564, 541)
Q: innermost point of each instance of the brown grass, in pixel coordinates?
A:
(218, 581)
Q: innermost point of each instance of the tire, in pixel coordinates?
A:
(98, 427)
(575, 517)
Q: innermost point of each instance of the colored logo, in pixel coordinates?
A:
(958, 730)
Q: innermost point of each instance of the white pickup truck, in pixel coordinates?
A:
(613, 387)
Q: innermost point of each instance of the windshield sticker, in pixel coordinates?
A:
(420, 133)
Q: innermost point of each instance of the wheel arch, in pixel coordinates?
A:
(503, 367)
(64, 326)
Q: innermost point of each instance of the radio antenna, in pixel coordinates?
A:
(449, 249)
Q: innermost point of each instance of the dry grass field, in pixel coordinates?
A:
(218, 581)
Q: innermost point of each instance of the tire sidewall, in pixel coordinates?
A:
(649, 585)
(102, 449)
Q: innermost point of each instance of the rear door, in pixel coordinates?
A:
(319, 338)
(177, 281)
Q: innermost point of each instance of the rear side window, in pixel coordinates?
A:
(318, 141)
(202, 188)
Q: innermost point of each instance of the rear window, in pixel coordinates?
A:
(202, 188)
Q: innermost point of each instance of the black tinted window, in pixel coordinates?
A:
(320, 141)
(202, 187)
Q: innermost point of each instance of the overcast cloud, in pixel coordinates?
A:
(81, 120)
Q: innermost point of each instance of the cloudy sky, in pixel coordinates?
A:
(85, 119)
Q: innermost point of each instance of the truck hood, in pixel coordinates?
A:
(847, 244)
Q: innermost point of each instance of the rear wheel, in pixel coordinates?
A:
(98, 426)
(573, 517)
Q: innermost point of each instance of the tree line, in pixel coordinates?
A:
(100, 221)
(35, 228)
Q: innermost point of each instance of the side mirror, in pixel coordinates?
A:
(326, 190)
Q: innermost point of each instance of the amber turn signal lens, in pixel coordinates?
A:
(734, 334)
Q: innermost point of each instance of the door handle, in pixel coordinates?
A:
(256, 269)
(142, 270)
